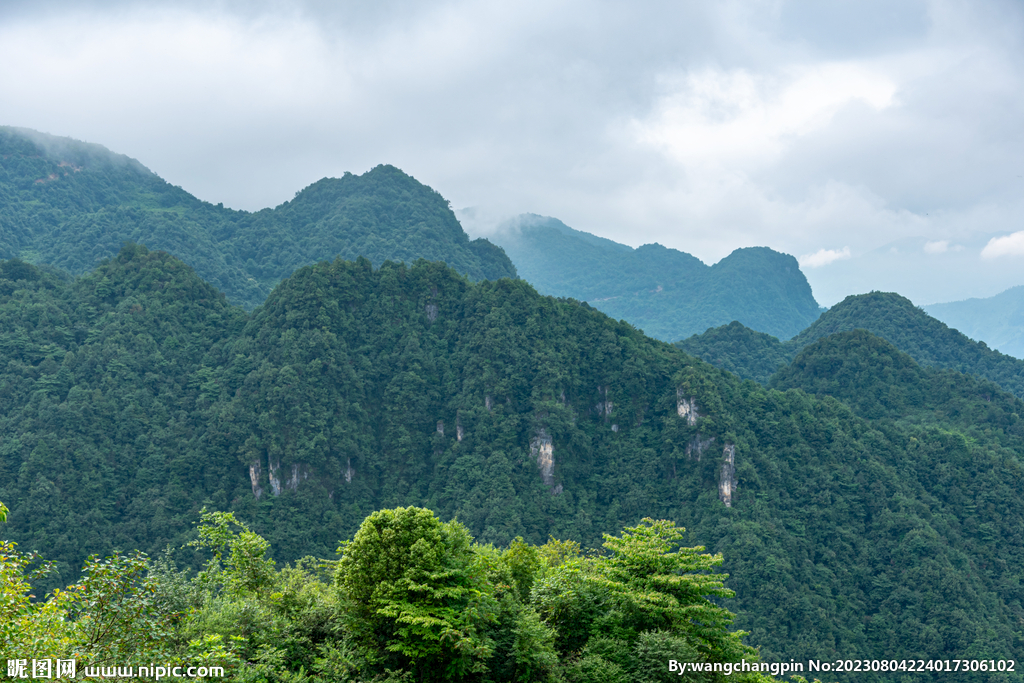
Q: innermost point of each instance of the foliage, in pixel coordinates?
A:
(111, 615)
(30, 629)
(246, 569)
(740, 350)
(58, 194)
(411, 598)
(115, 613)
(928, 341)
(413, 584)
(874, 509)
(889, 316)
(660, 590)
(612, 607)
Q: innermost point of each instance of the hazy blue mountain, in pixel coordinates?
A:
(73, 204)
(997, 320)
(666, 293)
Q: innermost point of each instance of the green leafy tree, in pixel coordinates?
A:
(658, 588)
(31, 628)
(116, 612)
(239, 560)
(603, 606)
(111, 614)
(417, 595)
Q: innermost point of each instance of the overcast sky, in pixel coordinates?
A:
(828, 129)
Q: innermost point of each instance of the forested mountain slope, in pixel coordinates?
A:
(890, 316)
(73, 204)
(667, 293)
(135, 395)
(740, 350)
(999, 319)
(877, 380)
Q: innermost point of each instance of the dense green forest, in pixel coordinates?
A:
(999, 319)
(73, 204)
(928, 341)
(668, 294)
(740, 350)
(873, 512)
(411, 598)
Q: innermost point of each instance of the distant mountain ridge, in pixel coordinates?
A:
(890, 316)
(667, 293)
(999, 319)
(73, 204)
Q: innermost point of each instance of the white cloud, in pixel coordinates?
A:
(1009, 245)
(941, 247)
(738, 118)
(703, 126)
(823, 257)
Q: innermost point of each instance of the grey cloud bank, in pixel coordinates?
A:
(813, 128)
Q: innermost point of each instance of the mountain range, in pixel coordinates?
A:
(667, 293)
(998, 320)
(863, 492)
(73, 204)
(866, 503)
(928, 341)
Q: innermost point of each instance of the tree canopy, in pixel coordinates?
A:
(72, 204)
(844, 504)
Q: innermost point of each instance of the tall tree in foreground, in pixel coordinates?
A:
(622, 616)
(413, 583)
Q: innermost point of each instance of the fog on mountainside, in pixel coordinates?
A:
(73, 204)
(666, 293)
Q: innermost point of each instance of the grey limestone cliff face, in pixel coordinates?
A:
(543, 451)
(275, 477)
(604, 408)
(686, 408)
(696, 446)
(299, 473)
(254, 477)
(727, 478)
